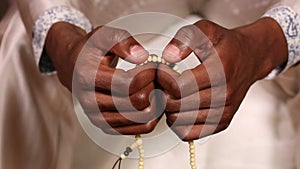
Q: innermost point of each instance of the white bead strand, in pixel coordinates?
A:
(192, 155)
(139, 142)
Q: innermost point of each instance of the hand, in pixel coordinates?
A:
(232, 60)
(87, 61)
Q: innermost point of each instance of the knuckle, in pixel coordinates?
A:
(213, 31)
(147, 114)
(104, 105)
(172, 118)
(206, 26)
(140, 100)
(184, 85)
(172, 105)
(141, 76)
(230, 93)
(133, 82)
(121, 35)
(186, 34)
(149, 127)
(183, 133)
(204, 23)
(175, 88)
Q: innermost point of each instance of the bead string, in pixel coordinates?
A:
(192, 155)
(138, 140)
(137, 144)
(141, 151)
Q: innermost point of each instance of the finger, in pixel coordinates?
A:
(194, 132)
(116, 81)
(122, 82)
(167, 79)
(191, 81)
(186, 40)
(182, 85)
(125, 118)
(133, 129)
(140, 76)
(181, 45)
(92, 101)
(205, 116)
(110, 60)
(207, 98)
(116, 119)
(119, 42)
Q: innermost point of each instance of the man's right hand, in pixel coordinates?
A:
(85, 63)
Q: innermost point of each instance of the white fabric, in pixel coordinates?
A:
(38, 125)
(261, 135)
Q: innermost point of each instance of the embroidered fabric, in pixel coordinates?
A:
(42, 26)
(289, 20)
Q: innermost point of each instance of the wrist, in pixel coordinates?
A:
(61, 45)
(266, 45)
(42, 26)
(61, 39)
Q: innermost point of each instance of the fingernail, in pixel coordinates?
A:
(171, 53)
(138, 53)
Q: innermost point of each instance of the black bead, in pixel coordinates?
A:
(128, 149)
(126, 153)
(172, 65)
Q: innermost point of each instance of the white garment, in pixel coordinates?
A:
(39, 129)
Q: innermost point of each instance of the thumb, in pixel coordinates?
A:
(119, 42)
(181, 45)
(188, 39)
(129, 49)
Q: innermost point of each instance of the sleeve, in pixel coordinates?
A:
(38, 17)
(286, 13)
(43, 24)
(30, 10)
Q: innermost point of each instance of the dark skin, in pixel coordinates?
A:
(246, 54)
(102, 86)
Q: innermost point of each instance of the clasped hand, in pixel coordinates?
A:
(197, 103)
